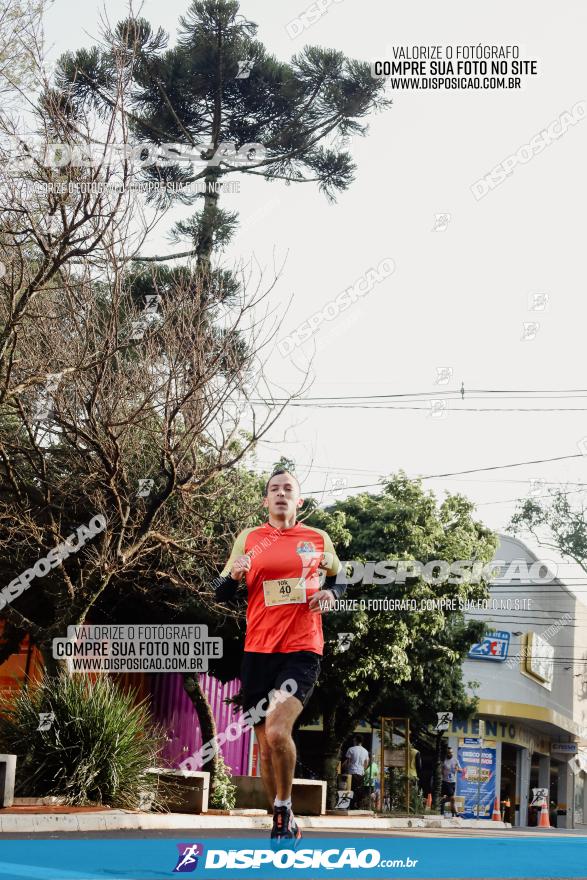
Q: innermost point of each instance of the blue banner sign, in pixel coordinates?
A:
(469, 790)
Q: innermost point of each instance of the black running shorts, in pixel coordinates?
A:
(262, 673)
(448, 789)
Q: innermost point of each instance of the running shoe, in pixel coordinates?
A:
(285, 826)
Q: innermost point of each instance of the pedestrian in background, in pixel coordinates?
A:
(356, 762)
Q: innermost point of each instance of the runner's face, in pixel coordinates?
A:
(283, 497)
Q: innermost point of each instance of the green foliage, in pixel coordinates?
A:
(191, 94)
(95, 751)
(223, 796)
(403, 663)
(554, 523)
(396, 791)
(20, 28)
(286, 464)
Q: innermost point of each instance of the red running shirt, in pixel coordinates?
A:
(282, 579)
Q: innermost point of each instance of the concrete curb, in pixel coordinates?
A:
(121, 820)
(375, 823)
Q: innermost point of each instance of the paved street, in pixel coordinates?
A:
(257, 834)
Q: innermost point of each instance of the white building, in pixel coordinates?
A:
(531, 677)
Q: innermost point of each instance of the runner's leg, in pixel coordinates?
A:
(453, 806)
(278, 727)
(266, 764)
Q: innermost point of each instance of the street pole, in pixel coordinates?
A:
(381, 797)
(437, 776)
(444, 720)
(408, 747)
(481, 735)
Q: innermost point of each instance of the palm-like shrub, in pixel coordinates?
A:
(95, 751)
(223, 795)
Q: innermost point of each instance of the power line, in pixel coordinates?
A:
(572, 661)
(479, 470)
(335, 469)
(376, 406)
(523, 498)
(527, 619)
(441, 390)
(513, 588)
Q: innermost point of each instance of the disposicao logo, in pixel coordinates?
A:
(187, 860)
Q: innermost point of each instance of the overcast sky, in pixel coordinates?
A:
(460, 295)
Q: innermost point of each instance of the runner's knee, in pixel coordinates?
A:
(265, 752)
(278, 737)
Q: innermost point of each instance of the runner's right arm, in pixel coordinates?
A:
(225, 588)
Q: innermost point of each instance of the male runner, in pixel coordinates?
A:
(281, 563)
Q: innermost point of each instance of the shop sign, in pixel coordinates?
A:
(505, 731)
(565, 748)
(495, 646)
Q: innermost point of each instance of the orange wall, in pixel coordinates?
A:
(12, 671)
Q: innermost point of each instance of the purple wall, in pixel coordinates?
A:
(172, 708)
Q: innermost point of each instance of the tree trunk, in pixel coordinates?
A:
(52, 666)
(205, 718)
(331, 757)
(205, 243)
(208, 224)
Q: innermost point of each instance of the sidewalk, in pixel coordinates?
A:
(27, 819)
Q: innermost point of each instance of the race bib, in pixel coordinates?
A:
(286, 591)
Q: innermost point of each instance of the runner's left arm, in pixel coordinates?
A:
(336, 579)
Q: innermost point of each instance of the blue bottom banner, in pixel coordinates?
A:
(367, 857)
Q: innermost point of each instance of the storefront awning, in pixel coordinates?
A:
(541, 717)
